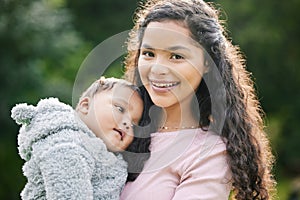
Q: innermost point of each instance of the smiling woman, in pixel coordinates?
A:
(201, 122)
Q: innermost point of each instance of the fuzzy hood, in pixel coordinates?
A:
(48, 117)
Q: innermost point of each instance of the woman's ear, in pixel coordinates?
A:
(83, 106)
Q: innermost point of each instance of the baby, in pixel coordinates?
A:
(74, 154)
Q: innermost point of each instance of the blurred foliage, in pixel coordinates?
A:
(268, 34)
(44, 42)
(40, 51)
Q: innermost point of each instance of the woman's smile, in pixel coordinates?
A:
(163, 86)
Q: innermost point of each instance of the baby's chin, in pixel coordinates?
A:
(115, 148)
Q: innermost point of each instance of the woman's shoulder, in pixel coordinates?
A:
(208, 142)
(207, 150)
(209, 138)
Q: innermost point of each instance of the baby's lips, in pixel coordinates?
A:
(121, 132)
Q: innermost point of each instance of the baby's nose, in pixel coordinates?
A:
(126, 126)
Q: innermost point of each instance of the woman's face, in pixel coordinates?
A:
(170, 63)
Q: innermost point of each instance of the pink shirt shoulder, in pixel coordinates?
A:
(187, 164)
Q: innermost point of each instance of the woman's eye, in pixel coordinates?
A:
(120, 108)
(176, 57)
(148, 53)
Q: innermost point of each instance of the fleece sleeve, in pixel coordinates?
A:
(205, 178)
(67, 171)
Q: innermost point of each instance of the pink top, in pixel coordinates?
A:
(186, 164)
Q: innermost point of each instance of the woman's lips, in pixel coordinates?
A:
(163, 86)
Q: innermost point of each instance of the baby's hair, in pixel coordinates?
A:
(103, 83)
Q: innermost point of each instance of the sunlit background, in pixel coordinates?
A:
(43, 43)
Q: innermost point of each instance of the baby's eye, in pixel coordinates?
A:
(176, 57)
(148, 53)
(120, 108)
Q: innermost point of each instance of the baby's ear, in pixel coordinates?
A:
(83, 105)
(23, 113)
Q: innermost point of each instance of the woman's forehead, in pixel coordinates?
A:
(171, 32)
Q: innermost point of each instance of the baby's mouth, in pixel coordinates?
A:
(121, 132)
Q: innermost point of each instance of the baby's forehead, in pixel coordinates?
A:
(124, 92)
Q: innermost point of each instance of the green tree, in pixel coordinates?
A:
(39, 56)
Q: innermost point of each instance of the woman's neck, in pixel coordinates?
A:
(179, 116)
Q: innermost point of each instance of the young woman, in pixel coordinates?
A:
(207, 138)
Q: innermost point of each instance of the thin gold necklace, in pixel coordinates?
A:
(177, 128)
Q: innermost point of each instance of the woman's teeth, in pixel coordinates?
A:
(164, 85)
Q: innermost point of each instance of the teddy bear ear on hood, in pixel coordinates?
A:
(23, 113)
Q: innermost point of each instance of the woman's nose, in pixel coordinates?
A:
(159, 67)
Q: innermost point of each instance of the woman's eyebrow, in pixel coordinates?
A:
(172, 48)
(178, 47)
(146, 46)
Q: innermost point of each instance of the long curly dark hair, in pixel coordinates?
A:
(249, 154)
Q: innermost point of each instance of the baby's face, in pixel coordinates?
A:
(112, 114)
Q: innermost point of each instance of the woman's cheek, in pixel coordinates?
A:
(143, 71)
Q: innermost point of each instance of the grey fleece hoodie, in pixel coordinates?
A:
(64, 159)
